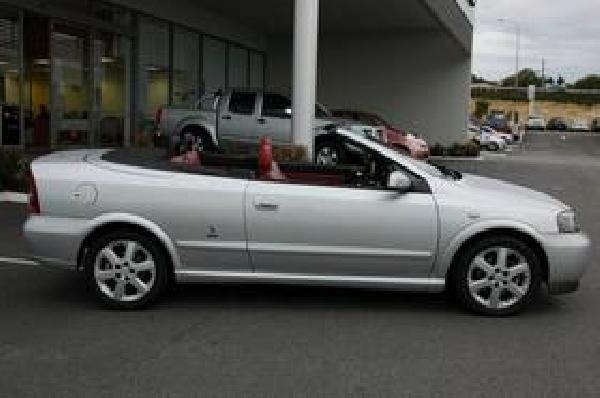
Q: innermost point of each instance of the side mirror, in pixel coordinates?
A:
(399, 181)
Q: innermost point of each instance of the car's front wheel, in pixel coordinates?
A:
(496, 276)
(126, 269)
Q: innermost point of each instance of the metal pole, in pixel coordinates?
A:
(306, 37)
(518, 51)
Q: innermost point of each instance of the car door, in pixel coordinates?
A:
(333, 231)
(275, 118)
(237, 118)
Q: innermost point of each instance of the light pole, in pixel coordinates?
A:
(518, 45)
(517, 27)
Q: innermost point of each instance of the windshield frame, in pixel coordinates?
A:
(422, 169)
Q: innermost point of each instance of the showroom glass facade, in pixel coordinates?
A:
(99, 79)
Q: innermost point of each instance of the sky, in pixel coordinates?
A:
(564, 32)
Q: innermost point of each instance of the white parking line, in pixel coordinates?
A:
(18, 261)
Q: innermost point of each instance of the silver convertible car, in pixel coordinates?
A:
(134, 222)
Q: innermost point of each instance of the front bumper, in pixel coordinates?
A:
(569, 256)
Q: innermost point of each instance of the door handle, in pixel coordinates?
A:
(265, 205)
(262, 121)
(226, 117)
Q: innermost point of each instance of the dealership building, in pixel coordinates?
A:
(79, 73)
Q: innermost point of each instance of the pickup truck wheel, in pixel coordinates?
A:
(196, 138)
(126, 269)
(329, 153)
(496, 276)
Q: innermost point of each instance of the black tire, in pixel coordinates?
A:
(460, 276)
(332, 150)
(493, 147)
(195, 137)
(156, 284)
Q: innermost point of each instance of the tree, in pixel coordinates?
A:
(527, 77)
(589, 82)
(480, 80)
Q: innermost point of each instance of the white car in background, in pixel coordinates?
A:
(581, 125)
(491, 142)
(536, 123)
(509, 138)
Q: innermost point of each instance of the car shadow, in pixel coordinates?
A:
(68, 290)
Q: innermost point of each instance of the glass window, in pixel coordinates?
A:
(276, 105)
(238, 67)
(214, 65)
(36, 48)
(152, 75)
(10, 76)
(70, 85)
(112, 68)
(257, 70)
(186, 63)
(242, 103)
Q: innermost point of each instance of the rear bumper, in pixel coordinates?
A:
(55, 241)
(569, 255)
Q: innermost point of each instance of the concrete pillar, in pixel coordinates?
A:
(306, 37)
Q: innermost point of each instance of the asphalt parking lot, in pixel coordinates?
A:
(290, 341)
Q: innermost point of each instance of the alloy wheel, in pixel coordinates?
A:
(499, 278)
(125, 271)
(327, 156)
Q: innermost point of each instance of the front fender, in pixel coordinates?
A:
(446, 253)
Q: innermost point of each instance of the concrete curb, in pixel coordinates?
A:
(14, 197)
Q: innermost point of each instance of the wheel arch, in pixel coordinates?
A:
(199, 125)
(519, 233)
(106, 224)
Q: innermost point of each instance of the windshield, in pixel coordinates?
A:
(429, 169)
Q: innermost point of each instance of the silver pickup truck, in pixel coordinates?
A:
(237, 116)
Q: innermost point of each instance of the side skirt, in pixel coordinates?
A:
(401, 284)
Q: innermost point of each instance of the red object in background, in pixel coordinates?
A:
(34, 200)
(191, 158)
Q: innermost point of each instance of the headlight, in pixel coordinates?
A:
(567, 222)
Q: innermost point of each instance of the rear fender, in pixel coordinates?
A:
(134, 220)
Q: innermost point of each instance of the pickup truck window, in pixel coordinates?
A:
(242, 103)
(276, 105)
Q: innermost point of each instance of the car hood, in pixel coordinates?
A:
(508, 194)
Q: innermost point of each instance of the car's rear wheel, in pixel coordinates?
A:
(126, 269)
(496, 276)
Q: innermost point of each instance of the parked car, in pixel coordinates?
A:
(499, 122)
(491, 142)
(581, 125)
(401, 140)
(473, 133)
(595, 126)
(536, 123)
(508, 138)
(558, 124)
(133, 223)
(233, 117)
